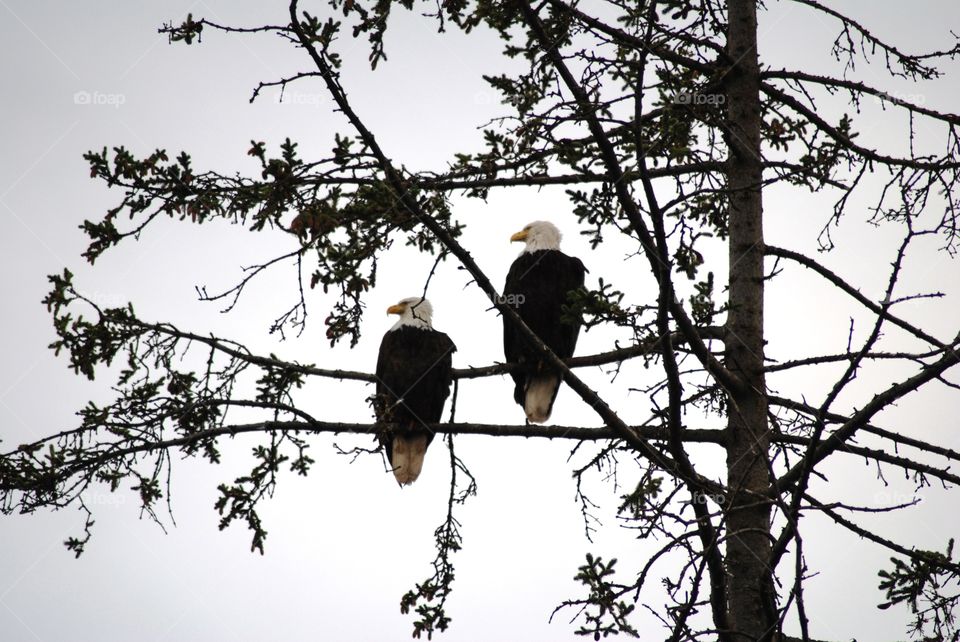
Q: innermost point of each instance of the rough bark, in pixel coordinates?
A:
(751, 607)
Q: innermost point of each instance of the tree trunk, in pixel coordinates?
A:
(751, 610)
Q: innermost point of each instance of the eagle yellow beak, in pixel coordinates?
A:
(396, 309)
(520, 236)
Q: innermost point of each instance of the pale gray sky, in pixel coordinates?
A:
(345, 543)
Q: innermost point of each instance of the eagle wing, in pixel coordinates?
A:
(538, 286)
(414, 368)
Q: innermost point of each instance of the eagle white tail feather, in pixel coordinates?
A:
(540, 393)
(408, 453)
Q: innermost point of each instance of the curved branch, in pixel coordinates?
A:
(853, 292)
(845, 141)
(910, 62)
(876, 539)
(862, 417)
(859, 87)
(896, 438)
(576, 433)
(603, 358)
(847, 356)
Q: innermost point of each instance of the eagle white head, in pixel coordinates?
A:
(414, 311)
(539, 235)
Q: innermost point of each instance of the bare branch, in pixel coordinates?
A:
(853, 292)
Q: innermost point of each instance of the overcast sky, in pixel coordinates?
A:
(345, 543)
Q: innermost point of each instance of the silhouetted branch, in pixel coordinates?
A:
(862, 417)
(853, 292)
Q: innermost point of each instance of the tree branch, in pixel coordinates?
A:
(853, 292)
(862, 417)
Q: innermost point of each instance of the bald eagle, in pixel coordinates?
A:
(538, 285)
(413, 382)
